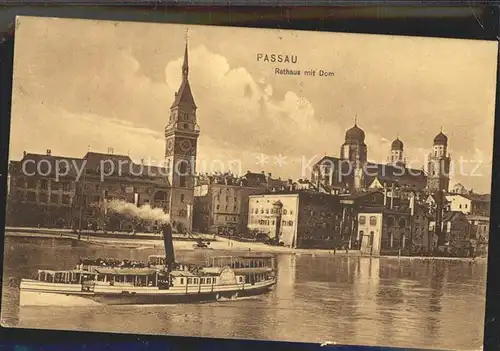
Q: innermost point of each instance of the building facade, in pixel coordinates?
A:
(40, 197)
(306, 219)
(470, 204)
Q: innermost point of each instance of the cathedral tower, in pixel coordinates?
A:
(397, 153)
(354, 147)
(354, 150)
(438, 177)
(181, 136)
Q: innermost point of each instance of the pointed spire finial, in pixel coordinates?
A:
(356, 120)
(185, 65)
(441, 129)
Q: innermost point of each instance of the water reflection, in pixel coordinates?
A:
(374, 301)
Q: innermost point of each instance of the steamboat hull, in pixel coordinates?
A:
(35, 294)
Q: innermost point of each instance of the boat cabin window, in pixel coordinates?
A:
(182, 280)
(190, 280)
(240, 279)
(203, 281)
(195, 280)
(209, 280)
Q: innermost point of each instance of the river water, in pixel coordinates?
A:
(348, 300)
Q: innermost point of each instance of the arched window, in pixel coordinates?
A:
(373, 220)
(402, 223)
(362, 219)
(390, 221)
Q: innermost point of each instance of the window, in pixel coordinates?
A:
(371, 238)
(44, 184)
(43, 198)
(235, 199)
(284, 211)
(65, 199)
(267, 211)
(373, 220)
(290, 223)
(217, 207)
(362, 219)
(54, 199)
(182, 197)
(32, 183)
(54, 186)
(182, 280)
(203, 281)
(402, 223)
(190, 281)
(30, 196)
(390, 221)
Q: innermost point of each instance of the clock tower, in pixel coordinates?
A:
(181, 136)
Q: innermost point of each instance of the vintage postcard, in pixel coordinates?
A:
(249, 183)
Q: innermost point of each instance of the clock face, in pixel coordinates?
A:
(185, 145)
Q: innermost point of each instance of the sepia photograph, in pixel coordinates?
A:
(244, 183)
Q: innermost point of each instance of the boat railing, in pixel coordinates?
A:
(240, 262)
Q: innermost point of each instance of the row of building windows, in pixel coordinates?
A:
(43, 198)
(227, 218)
(65, 186)
(217, 198)
(44, 184)
(272, 222)
(226, 208)
(271, 211)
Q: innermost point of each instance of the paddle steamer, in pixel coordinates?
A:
(160, 280)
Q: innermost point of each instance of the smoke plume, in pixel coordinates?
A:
(145, 212)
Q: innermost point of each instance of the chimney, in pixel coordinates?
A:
(24, 153)
(49, 152)
(262, 172)
(270, 175)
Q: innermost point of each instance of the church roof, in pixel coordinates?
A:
(397, 145)
(355, 134)
(440, 139)
(184, 96)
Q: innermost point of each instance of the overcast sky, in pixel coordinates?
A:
(107, 84)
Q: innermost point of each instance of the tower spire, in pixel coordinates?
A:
(185, 65)
(356, 120)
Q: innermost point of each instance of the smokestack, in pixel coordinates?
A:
(169, 247)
